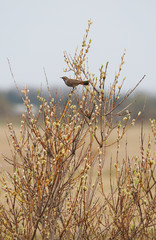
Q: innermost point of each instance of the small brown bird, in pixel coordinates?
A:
(73, 82)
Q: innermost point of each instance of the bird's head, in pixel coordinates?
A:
(64, 78)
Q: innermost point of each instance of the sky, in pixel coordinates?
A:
(35, 33)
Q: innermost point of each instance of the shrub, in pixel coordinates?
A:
(56, 189)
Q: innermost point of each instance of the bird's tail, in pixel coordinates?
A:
(85, 83)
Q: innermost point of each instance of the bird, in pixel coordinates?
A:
(74, 82)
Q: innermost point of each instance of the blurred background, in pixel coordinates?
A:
(34, 35)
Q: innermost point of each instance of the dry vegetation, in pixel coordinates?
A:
(57, 189)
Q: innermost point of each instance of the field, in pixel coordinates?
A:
(132, 138)
(129, 146)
